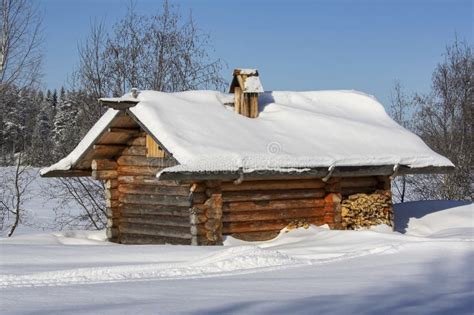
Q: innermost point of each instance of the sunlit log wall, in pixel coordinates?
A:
(143, 210)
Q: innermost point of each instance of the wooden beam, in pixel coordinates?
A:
(67, 173)
(320, 172)
(130, 131)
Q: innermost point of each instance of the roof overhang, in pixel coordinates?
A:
(317, 172)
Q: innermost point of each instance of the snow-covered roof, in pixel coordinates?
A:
(294, 131)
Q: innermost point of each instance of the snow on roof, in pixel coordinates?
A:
(253, 85)
(89, 139)
(294, 131)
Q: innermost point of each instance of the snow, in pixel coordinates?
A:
(294, 131)
(427, 269)
(89, 139)
(290, 132)
(253, 85)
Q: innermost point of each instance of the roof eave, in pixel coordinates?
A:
(317, 172)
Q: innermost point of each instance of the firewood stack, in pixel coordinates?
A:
(365, 210)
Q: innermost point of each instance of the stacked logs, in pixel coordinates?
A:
(365, 210)
(206, 214)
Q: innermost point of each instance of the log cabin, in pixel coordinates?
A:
(195, 166)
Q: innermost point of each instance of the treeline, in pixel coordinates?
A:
(43, 125)
(160, 51)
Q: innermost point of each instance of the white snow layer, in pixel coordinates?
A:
(294, 130)
(89, 139)
(427, 270)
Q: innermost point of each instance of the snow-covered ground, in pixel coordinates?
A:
(425, 268)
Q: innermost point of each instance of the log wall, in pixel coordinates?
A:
(143, 210)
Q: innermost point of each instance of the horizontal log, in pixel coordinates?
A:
(112, 203)
(155, 230)
(157, 220)
(155, 200)
(112, 234)
(256, 226)
(138, 141)
(135, 151)
(113, 213)
(134, 209)
(138, 170)
(111, 183)
(130, 131)
(154, 190)
(102, 175)
(272, 195)
(277, 204)
(274, 184)
(256, 236)
(104, 164)
(146, 180)
(145, 161)
(112, 194)
(273, 214)
(359, 182)
(107, 150)
(140, 239)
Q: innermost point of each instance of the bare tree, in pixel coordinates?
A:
(401, 110)
(78, 193)
(14, 192)
(161, 51)
(445, 121)
(20, 56)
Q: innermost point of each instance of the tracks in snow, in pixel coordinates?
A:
(227, 262)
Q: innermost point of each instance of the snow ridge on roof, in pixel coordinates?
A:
(294, 130)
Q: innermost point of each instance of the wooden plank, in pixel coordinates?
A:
(247, 216)
(274, 185)
(272, 195)
(153, 148)
(154, 190)
(155, 230)
(155, 200)
(137, 209)
(124, 121)
(67, 173)
(276, 204)
(103, 164)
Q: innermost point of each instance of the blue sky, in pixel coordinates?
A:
(296, 45)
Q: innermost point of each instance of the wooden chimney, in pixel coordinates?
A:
(246, 86)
